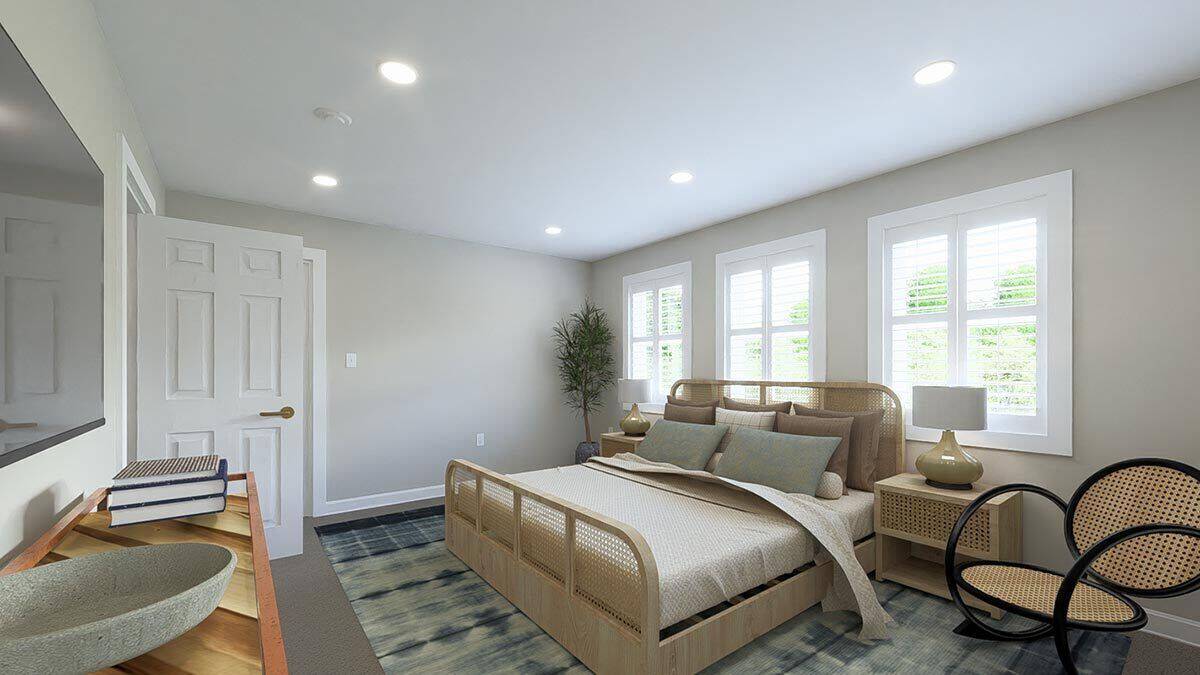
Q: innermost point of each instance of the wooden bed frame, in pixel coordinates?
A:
(592, 583)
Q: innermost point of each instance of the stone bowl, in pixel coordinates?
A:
(89, 613)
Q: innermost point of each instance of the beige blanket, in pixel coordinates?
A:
(851, 589)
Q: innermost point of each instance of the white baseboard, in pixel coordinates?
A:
(336, 506)
(1173, 627)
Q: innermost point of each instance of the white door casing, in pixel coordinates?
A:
(221, 315)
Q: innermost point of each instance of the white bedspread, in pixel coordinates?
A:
(713, 538)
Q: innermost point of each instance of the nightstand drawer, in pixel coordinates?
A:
(931, 520)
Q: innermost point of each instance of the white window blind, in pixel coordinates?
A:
(965, 299)
(772, 318)
(657, 335)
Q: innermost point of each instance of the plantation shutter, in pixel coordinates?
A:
(768, 306)
(964, 306)
(656, 336)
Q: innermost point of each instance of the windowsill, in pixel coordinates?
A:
(652, 408)
(1041, 444)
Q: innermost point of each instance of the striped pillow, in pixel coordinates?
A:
(737, 419)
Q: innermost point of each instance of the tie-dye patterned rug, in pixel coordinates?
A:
(424, 611)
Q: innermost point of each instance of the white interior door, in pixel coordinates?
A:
(220, 340)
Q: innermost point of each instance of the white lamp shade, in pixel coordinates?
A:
(633, 391)
(952, 408)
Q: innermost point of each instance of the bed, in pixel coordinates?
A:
(634, 576)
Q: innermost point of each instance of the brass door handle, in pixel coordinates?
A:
(286, 412)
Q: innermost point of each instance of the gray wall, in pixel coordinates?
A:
(452, 339)
(61, 40)
(1136, 283)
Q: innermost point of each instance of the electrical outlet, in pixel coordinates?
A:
(610, 430)
(479, 440)
(351, 359)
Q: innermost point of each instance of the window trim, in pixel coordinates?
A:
(814, 240)
(628, 283)
(1056, 189)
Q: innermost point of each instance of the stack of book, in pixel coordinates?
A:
(160, 489)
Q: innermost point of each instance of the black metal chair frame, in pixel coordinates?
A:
(1079, 573)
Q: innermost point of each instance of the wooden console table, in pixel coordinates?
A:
(241, 636)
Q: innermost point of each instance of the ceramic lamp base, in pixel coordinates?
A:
(634, 424)
(946, 465)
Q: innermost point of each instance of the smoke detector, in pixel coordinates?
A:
(326, 114)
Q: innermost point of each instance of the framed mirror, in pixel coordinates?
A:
(51, 270)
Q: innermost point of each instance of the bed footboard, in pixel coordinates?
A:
(587, 580)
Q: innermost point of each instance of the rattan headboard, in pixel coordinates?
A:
(838, 396)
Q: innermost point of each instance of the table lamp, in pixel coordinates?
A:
(632, 392)
(947, 465)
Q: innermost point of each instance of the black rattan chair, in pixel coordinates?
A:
(1133, 529)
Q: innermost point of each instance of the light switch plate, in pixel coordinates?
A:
(480, 439)
(351, 359)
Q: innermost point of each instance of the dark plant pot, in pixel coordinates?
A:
(585, 450)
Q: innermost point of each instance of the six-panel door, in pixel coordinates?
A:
(220, 340)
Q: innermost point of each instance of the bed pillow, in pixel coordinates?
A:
(687, 446)
(864, 444)
(830, 487)
(736, 419)
(689, 414)
(807, 425)
(731, 404)
(786, 462)
(693, 404)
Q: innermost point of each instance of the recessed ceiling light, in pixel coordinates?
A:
(681, 177)
(553, 230)
(934, 72)
(324, 180)
(400, 73)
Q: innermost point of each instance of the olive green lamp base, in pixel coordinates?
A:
(946, 465)
(634, 424)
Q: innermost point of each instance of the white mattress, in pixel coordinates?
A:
(701, 548)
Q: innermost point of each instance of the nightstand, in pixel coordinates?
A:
(913, 521)
(616, 441)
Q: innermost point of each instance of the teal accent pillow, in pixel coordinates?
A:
(786, 462)
(687, 446)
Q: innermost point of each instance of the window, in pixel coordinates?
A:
(657, 327)
(976, 291)
(771, 311)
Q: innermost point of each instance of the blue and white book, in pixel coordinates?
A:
(170, 488)
(176, 508)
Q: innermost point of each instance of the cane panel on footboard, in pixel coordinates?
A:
(577, 554)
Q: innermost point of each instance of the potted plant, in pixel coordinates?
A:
(583, 346)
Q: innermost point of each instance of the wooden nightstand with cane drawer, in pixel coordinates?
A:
(913, 520)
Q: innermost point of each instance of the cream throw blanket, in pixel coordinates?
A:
(851, 589)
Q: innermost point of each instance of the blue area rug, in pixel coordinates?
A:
(424, 611)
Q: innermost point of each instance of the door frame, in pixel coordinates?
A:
(316, 439)
(136, 199)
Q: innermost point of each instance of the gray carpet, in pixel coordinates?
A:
(322, 634)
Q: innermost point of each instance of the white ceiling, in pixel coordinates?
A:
(574, 113)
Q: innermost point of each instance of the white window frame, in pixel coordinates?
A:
(808, 246)
(1051, 433)
(655, 279)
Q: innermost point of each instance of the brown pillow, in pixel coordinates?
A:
(805, 425)
(730, 404)
(864, 443)
(690, 414)
(693, 404)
